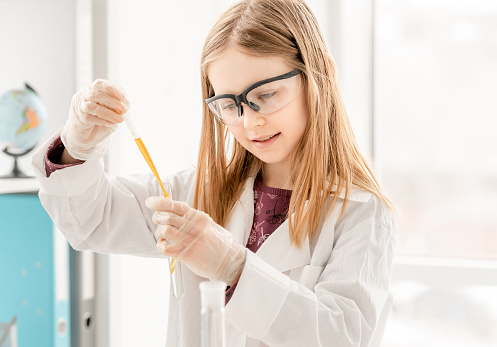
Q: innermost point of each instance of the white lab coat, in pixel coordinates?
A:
(333, 291)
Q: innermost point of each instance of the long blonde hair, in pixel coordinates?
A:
(327, 159)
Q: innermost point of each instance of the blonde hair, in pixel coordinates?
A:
(327, 159)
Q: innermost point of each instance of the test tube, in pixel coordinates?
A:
(176, 275)
(213, 326)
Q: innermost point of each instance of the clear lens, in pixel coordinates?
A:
(225, 110)
(272, 97)
(265, 99)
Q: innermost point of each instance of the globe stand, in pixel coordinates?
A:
(16, 171)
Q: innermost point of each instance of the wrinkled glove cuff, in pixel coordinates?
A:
(233, 264)
(93, 150)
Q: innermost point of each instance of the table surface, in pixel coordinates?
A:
(18, 185)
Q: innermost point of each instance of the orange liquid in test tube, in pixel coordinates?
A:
(149, 161)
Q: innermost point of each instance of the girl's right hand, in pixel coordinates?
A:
(94, 115)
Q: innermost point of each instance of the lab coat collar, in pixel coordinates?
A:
(277, 250)
(355, 194)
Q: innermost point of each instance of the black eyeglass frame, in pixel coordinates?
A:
(238, 99)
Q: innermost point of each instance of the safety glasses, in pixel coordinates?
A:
(265, 97)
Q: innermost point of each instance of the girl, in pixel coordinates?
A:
(288, 213)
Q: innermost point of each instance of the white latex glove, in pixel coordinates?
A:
(193, 238)
(94, 115)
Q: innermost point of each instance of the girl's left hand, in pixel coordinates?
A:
(192, 237)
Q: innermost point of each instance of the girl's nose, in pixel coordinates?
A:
(251, 119)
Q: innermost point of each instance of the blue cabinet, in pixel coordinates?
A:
(33, 279)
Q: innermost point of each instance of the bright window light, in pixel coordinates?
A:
(436, 106)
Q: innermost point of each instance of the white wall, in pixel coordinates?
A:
(37, 39)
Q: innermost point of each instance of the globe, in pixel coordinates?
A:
(23, 121)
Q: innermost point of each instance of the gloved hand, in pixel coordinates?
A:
(193, 238)
(94, 115)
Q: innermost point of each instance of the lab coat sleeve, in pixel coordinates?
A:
(346, 304)
(97, 212)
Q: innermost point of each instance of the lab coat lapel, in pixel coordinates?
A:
(277, 250)
(242, 216)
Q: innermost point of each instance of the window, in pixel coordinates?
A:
(435, 96)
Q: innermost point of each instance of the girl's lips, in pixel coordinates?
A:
(265, 141)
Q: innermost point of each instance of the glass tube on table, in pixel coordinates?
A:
(213, 329)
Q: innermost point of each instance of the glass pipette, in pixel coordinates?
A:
(144, 152)
(176, 280)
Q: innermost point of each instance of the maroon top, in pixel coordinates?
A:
(270, 211)
(270, 204)
(52, 158)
